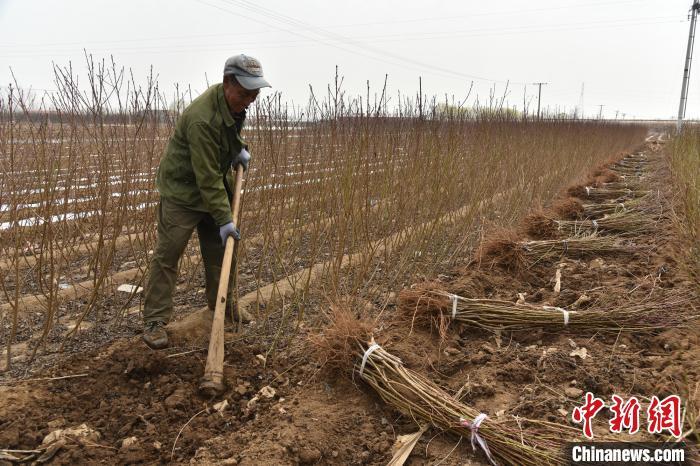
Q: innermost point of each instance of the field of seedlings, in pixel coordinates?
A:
(406, 271)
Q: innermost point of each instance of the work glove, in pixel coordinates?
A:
(229, 230)
(241, 159)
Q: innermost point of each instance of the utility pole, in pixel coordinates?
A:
(600, 112)
(420, 98)
(539, 93)
(581, 101)
(688, 59)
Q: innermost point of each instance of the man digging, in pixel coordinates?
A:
(195, 183)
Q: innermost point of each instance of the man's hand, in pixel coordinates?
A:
(241, 159)
(229, 230)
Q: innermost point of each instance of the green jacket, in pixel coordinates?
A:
(195, 170)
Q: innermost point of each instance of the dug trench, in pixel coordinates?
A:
(142, 407)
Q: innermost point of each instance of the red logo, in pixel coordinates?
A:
(665, 415)
(587, 412)
(661, 414)
(625, 415)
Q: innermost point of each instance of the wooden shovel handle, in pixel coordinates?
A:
(212, 382)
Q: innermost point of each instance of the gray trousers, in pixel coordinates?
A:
(175, 226)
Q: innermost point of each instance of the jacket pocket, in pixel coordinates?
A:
(183, 172)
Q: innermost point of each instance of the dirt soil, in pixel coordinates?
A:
(142, 407)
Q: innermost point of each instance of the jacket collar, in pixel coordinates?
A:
(223, 107)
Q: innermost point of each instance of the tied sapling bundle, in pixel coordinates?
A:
(602, 194)
(578, 246)
(643, 204)
(540, 226)
(503, 441)
(619, 222)
(630, 163)
(648, 205)
(505, 250)
(432, 303)
(633, 168)
(633, 184)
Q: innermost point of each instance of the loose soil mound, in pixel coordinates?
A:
(131, 391)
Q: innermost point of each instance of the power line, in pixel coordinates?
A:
(353, 43)
(288, 20)
(297, 33)
(309, 40)
(20, 51)
(499, 13)
(492, 13)
(348, 44)
(399, 36)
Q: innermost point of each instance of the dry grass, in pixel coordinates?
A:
(685, 165)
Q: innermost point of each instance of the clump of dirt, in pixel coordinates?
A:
(600, 169)
(568, 209)
(422, 299)
(538, 226)
(607, 176)
(422, 304)
(502, 249)
(603, 174)
(578, 191)
(336, 347)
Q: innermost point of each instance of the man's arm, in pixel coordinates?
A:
(204, 151)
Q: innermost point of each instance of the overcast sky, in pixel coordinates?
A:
(627, 55)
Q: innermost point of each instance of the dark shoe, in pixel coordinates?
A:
(154, 335)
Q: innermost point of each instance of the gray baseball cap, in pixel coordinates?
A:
(247, 70)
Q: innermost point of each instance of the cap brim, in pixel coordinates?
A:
(252, 82)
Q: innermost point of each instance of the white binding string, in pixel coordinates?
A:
(475, 437)
(588, 191)
(372, 348)
(595, 224)
(454, 299)
(563, 311)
